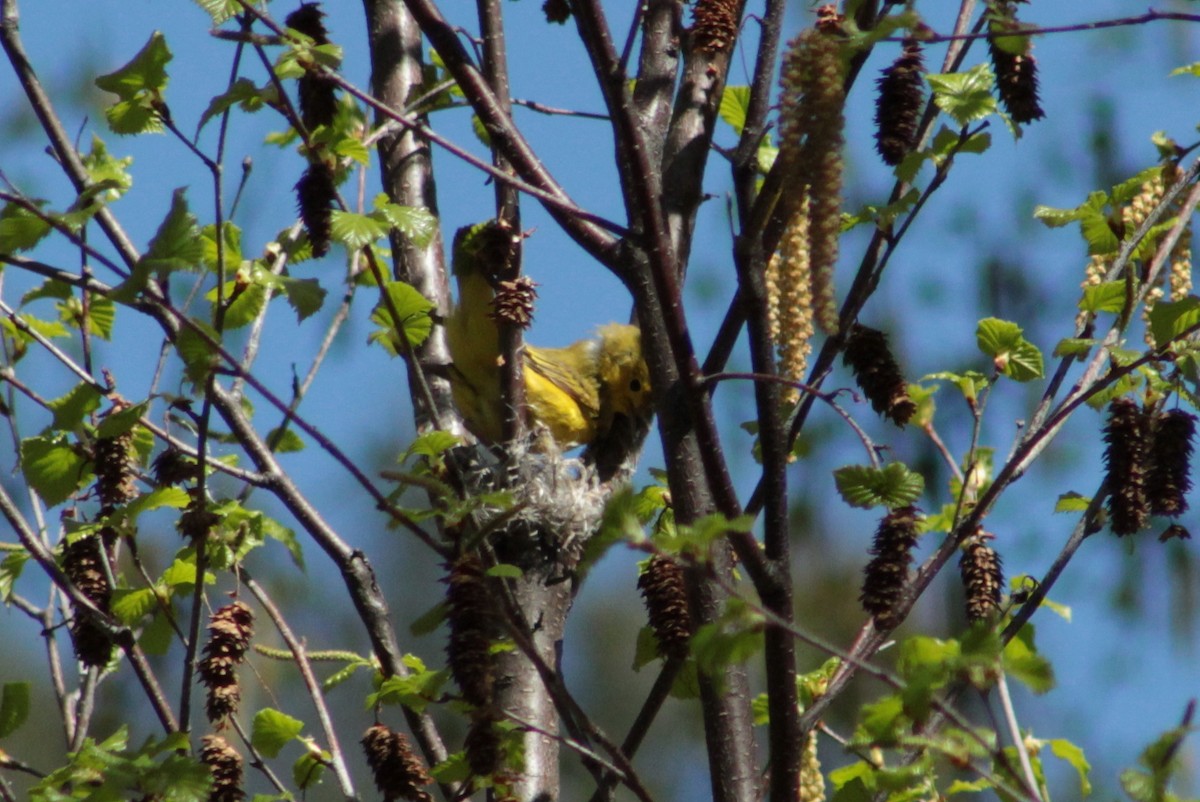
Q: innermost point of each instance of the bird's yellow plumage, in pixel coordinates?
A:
(576, 392)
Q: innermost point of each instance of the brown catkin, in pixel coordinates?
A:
(887, 573)
(982, 577)
(225, 764)
(1169, 479)
(665, 593)
(229, 633)
(514, 300)
(83, 562)
(398, 772)
(468, 650)
(715, 25)
(557, 11)
(316, 192)
(482, 745)
(1014, 64)
(318, 98)
(1125, 459)
(877, 373)
(898, 106)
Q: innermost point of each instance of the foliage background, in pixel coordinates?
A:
(1126, 662)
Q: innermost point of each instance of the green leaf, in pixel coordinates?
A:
(177, 245)
(891, 486)
(131, 117)
(1065, 750)
(416, 691)
(305, 295)
(505, 571)
(180, 576)
(231, 248)
(645, 650)
(309, 768)
(132, 605)
(20, 229)
(735, 104)
(14, 706)
(273, 730)
(220, 10)
(159, 498)
(54, 468)
(1022, 662)
(355, 230)
(122, 421)
(1170, 321)
(1106, 297)
(415, 222)
(70, 409)
(145, 72)
(198, 355)
(413, 309)
(285, 441)
(1073, 346)
(10, 571)
(1011, 353)
(966, 96)
(109, 176)
(243, 93)
(1192, 69)
(1072, 502)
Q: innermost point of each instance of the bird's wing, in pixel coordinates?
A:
(570, 369)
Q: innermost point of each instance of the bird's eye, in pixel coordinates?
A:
(635, 385)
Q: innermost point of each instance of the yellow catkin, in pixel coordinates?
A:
(821, 161)
(812, 782)
(1094, 274)
(795, 301)
(1181, 265)
(1153, 296)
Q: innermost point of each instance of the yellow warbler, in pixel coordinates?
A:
(577, 392)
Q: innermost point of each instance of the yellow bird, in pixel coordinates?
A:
(577, 392)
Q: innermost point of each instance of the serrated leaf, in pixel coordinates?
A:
(966, 96)
(177, 244)
(244, 304)
(891, 486)
(413, 309)
(480, 131)
(132, 117)
(1065, 750)
(1072, 502)
(431, 444)
(735, 104)
(10, 570)
(14, 706)
(53, 468)
(1011, 353)
(199, 357)
(231, 248)
(220, 10)
(429, 621)
(160, 497)
(132, 605)
(309, 768)
(273, 730)
(118, 423)
(70, 409)
(1073, 346)
(355, 230)
(145, 72)
(243, 93)
(969, 382)
(305, 295)
(285, 441)
(180, 576)
(20, 229)
(415, 222)
(1022, 662)
(1108, 296)
(1171, 320)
